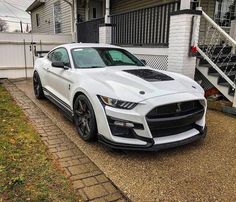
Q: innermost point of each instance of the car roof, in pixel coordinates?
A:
(86, 45)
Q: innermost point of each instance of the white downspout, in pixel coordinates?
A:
(87, 10)
(72, 23)
(75, 21)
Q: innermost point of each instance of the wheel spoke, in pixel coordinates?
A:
(80, 122)
(84, 107)
(81, 106)
(83, 128)
(35, 79)
(87, 127)
(79, 113)
(88, 115)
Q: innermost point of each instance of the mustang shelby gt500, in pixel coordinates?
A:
(114, 97)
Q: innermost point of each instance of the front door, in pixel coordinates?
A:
(59, 83)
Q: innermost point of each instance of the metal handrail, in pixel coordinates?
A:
(229, 38)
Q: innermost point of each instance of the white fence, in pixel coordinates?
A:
(17, 51)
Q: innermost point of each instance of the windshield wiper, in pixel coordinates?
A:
(96, 67)
(90, 67)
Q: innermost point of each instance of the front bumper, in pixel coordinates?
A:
(151, 134)
(151, 146)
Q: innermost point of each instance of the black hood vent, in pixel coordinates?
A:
(149, 75)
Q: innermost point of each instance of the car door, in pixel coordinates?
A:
(59, 79)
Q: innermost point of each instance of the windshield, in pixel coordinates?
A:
(101, 57)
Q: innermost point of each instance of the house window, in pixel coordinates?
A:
(37, 20)
(94, 13)
(57, 17)
(224, 12)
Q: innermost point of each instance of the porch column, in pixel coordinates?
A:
(182, 24)
(105, 34)
(105, 29)
(107, 14)
(233, 29)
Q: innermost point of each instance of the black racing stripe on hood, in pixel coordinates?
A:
(149, 75)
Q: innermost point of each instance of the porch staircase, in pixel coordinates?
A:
(226, 65)
(217, 59)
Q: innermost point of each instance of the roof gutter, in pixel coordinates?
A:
(35, 4)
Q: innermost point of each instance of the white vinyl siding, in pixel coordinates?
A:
(46, 18)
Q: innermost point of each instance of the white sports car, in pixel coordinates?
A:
(114, 97)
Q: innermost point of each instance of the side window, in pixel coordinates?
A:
(60, 55)
(50, 56)
(37, 20)
(57, 17)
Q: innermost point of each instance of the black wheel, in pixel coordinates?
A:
(38, 89)
(85, 120)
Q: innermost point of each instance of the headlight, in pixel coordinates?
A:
(117, 103)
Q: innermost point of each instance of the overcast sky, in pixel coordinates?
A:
(13, 11)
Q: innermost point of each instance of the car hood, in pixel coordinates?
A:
(136, 84)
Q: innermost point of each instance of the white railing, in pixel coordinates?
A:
(217, 27)
(214, 38)
(216, 68)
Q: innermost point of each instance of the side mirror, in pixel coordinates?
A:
(143, 61)
(59, 64)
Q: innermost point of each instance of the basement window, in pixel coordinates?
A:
(57, 17)
(94, 13)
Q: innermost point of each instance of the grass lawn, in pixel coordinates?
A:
(27, 171)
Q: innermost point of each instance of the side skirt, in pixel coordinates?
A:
(55, 100)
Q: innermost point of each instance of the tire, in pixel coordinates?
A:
(38, 89)
(84, 118)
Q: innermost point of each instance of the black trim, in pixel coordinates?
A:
(172, 122)
(67, 111)
(58, 99)
(151, 146)
(186, 11)
(106, 25)
(149, 75)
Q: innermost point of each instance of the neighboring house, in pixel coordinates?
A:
(50, 17)
(148, 29)
(54, 16)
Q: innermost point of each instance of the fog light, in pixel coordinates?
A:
(124, 124)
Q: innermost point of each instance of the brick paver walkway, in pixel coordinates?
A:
(87, 178)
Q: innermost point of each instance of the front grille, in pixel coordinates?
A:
(175, 109)
(174, 118)
(171, 131)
